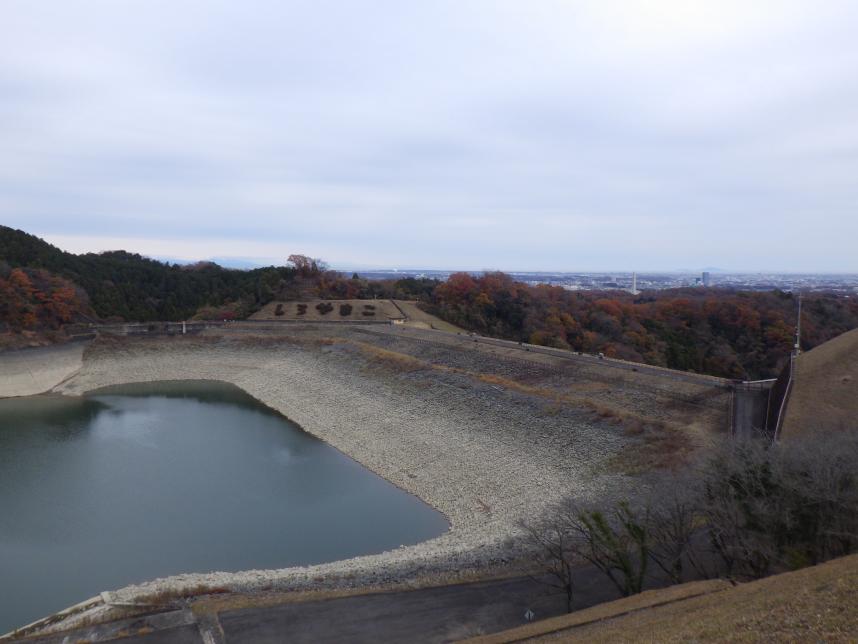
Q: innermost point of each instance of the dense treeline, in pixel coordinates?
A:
(34, 300)
(716, 331)
(122, 286)
(130, 287)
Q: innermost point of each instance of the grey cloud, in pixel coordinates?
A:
(467, 134)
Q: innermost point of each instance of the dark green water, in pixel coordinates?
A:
(143, 481)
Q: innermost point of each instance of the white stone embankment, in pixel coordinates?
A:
(25, 372)
(484, 456)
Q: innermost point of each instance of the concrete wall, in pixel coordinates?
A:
(750, 406)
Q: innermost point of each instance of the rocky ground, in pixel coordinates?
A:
(488, 436)
(24, 372)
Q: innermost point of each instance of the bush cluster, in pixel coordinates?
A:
(749, 511)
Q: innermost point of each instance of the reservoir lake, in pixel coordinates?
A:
(136, 482)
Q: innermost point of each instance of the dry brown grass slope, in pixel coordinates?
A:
(818, 604)
(824, 397)
(420, 319)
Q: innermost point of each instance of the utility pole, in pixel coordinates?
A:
(797, 347)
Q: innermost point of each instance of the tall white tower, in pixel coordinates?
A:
(634, 290)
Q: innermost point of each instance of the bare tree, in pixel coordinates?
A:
(675, 527)
(556, 555)
(761, 508)
(782, 507)
(615, 542)
(740, 508)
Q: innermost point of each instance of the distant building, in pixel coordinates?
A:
(707, 279)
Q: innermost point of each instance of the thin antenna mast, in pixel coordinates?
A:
(797, 348)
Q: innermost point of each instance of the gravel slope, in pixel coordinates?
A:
(25, 372)
(475, 453)
(487, 456)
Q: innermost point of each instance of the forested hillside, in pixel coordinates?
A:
(37, 281)
(715, 331)
(128, 286)
(34, 301)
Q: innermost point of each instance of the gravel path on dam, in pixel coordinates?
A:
(485, 455)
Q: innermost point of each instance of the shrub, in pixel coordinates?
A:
(750, 510)
(324, 307)
(788, 506)
(345, 310)
(616, 542)
(368, 313)
(279, 310)
(302, 309)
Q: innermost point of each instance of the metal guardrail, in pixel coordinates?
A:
(183, 328)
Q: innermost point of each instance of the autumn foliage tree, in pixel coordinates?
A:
(34, 300)
(717, 331)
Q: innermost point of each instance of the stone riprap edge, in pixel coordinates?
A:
(468, 452)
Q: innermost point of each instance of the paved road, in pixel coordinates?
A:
(439, 614)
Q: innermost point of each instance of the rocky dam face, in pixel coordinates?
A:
(487, 433)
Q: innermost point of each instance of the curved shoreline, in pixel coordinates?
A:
(485, 456)
(463, 469)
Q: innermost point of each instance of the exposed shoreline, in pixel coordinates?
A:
(37, 370)
(484, 456)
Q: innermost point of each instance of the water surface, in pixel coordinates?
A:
(143, 481)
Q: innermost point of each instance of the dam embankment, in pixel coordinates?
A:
(25, 372)
(486, 435)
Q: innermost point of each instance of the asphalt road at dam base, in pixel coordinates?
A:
(437, 614)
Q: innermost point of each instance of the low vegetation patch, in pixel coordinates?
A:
(345, 310)
(749, 511)
(324, 308)
(168, 597)
(399, 362)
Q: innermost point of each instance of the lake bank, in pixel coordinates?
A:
(26, 372)
(483, 454)
(139, 481)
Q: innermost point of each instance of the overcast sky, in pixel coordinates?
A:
(536, 134)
